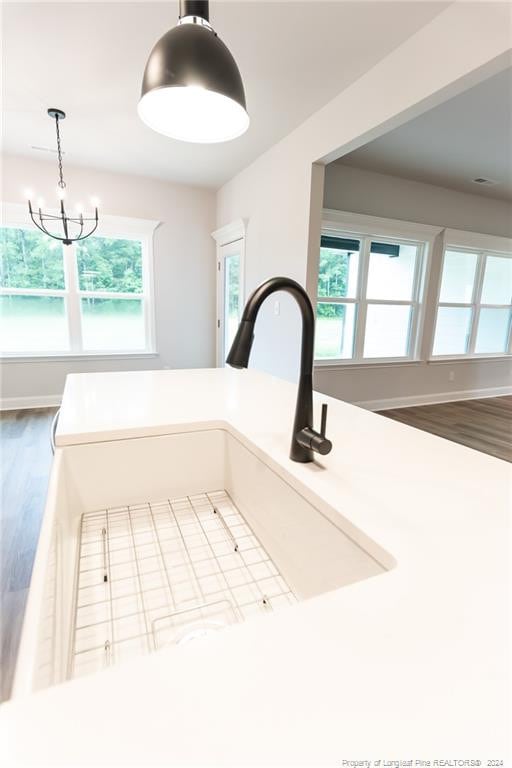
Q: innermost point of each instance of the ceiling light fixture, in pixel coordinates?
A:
(72, 227)
(192, 89)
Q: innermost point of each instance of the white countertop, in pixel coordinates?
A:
(412, 664)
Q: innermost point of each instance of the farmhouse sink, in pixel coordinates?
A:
(158, 541)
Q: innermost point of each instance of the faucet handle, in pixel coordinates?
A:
(323, 423)
(316, 441)
(312, 440)
(319, 442)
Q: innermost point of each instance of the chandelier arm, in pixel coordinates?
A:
(41, 226)
(81, 235)
(64, 219)
(51, 216)
(89, 233)
(68, 218)
(50, 234)
(78, 221)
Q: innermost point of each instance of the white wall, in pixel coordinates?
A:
(184, 268)
(381, 387)
(281, 192)
(376, 194)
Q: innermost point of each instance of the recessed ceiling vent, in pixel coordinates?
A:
(484, 182)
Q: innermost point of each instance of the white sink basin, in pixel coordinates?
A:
(101, 491)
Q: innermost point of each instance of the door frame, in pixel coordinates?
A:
(232, 233)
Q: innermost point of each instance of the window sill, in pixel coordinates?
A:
(79, 357)
(467, 359)
(360, 365)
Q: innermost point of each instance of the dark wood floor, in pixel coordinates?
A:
(485, 425)
(25, 457)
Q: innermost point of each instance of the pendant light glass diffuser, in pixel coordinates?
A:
(192, 89)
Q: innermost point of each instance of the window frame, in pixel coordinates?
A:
(482, 246)
(14, 216)
(367, 229)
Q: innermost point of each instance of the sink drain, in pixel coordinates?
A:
(197, 633)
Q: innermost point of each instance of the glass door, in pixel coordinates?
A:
(231, 298)
(229, 291)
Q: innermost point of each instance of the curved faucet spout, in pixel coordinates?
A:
(305, 440)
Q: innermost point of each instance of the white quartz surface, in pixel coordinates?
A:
(412, 664)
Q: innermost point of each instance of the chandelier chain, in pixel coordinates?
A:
(62, 183)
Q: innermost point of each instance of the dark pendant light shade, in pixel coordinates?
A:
(192, 89)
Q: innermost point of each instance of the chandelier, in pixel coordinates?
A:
(74, 228)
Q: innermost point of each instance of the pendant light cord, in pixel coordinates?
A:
(199, 8)
(62, 183)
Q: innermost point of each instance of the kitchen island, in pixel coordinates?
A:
(411, 664)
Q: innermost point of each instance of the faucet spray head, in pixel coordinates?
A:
(241, 347)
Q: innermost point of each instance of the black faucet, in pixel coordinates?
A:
(305, 440)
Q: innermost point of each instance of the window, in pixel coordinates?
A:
(475, 303)
(111, 294)
(368, 297)
(88, 298)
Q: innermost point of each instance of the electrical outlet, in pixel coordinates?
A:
(277, 308)
(451, 376)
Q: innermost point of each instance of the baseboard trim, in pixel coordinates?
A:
(20, 403)
(439, 397)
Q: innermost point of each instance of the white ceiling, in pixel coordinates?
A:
(88, 58)
(467, 137)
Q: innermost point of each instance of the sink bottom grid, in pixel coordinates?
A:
(166, 572)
